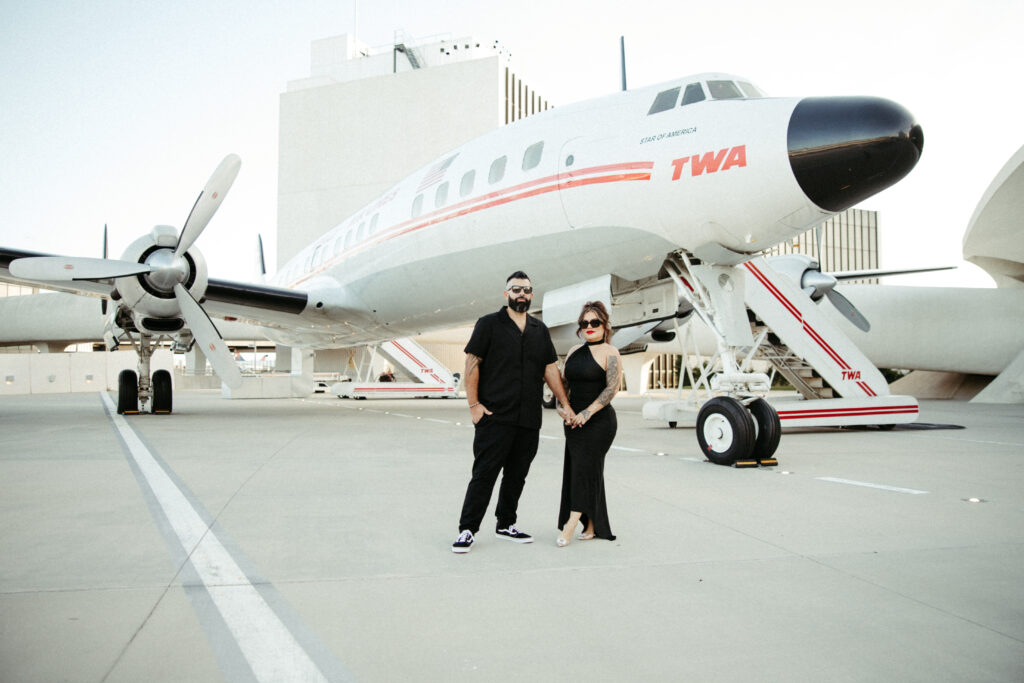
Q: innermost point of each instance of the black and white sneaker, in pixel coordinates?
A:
(463, 543)
(513, 534)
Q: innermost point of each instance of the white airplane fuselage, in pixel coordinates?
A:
(614, 191)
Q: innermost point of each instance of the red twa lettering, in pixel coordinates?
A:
(737, 157)
(851, 374)
(711, 162)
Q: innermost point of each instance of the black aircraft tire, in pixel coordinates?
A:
(163, 396)
(127, 392)
(725, 431)
(769, 428)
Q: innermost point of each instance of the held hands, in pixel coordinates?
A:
(580, 419)
(478, 411)
(567, 415)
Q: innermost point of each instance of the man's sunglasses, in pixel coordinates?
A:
(520, 290)
(595, 323)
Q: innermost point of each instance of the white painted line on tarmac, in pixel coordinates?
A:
(883, 487)
(266, 643)
(631, 450)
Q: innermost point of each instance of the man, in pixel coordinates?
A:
(508, 358)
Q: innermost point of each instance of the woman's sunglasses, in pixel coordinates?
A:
(595, 323)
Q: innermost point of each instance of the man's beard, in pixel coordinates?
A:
(519, 306)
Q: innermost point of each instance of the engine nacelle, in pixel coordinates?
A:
(804, 271)
(150, 296)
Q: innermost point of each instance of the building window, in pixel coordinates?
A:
(532, 156)
(665, 100)
(467, 183)
(497, 170)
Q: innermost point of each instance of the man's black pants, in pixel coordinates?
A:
(498, 446)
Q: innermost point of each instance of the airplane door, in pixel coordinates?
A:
(566, 166)
(589, 175)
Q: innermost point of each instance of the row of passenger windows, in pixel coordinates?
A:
(496, 173)
(719, 90)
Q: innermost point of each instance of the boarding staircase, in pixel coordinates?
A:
(431, 379)
(837, 383)
(800, 374)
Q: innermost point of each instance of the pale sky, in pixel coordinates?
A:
(117, 112)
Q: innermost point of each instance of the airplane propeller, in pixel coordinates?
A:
(103, 302)
(210, 341)
(69, 268)
(164, 270)
(818, 284)
(208, 202)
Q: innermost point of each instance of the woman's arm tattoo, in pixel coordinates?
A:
(613, 373)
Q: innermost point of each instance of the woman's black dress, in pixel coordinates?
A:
(586, 446)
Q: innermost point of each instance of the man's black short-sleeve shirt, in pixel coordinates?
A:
(512, 370)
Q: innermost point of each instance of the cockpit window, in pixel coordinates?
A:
(724, 90)
(665, 100)
(749, 90)
(694, 93)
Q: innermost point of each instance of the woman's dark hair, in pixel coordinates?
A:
(598, 309)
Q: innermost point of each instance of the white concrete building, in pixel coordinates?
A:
(365, 118)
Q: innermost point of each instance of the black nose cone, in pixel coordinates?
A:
(845, 149)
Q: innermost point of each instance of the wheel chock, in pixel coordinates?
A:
(769, 462)
(745, 463)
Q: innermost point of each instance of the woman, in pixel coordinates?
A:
(593, 371)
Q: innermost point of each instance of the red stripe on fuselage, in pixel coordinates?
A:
(624, 172)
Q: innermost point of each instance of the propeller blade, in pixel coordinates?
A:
(262, 263)
(849, 311)
(103, 302)
(68, 268)
(208, 202)
(862, 274)
(210, 341)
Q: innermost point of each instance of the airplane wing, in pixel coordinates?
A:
(31, 319)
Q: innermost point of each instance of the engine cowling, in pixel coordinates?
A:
(150, 296)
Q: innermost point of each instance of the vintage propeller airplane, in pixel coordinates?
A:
(658, 200)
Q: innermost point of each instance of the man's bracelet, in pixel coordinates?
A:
(474, 405)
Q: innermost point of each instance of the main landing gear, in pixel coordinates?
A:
(731, 433)
(135, 388)
(735, 427)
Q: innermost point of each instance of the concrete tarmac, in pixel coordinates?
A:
(310, 540)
